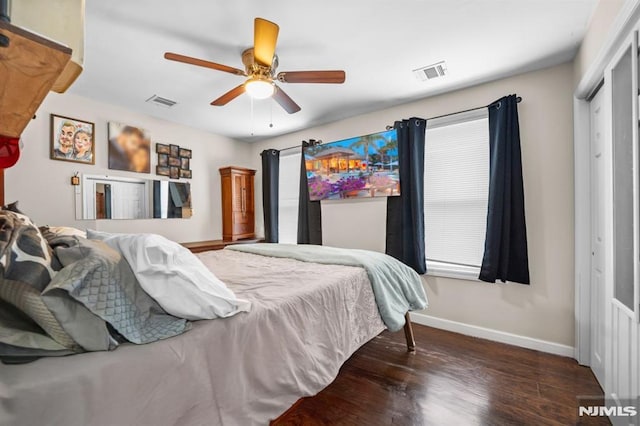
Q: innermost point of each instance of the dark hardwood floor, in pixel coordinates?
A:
(451, 379)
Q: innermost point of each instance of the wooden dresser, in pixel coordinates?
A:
(238, 206)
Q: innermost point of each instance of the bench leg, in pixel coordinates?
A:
(408, 333)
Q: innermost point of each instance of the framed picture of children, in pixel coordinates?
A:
(72, 140)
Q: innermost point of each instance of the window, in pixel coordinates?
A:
(456, 194)
(288, 195)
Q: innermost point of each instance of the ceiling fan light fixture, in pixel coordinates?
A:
(260, 63)
(259, 88)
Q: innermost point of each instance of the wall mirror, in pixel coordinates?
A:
(112, 197)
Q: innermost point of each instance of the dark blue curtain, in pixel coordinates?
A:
(405, 213)
(270, 182)
(107, 201)
(157, 206)
(505, 249)
(309, 214)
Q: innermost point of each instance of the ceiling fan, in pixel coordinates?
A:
(261, 63)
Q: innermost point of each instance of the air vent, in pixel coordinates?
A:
(160, 101)
(430, 72)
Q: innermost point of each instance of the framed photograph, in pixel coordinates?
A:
(185, 174)
(72, 140)
(163, 160)
(174, 161)
(184, 152)
(175, 172)
(184, 163)
(163, 171)
(175, 150)
(129, 148)
(163, 149)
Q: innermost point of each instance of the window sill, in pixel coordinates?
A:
(448, 270)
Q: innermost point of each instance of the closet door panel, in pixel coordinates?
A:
(623, 197)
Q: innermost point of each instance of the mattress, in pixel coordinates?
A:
(305, 322)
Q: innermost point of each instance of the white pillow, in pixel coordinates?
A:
(174, 276)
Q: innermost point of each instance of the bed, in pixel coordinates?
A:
(305, 321)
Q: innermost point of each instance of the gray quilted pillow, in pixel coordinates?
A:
(100, 279)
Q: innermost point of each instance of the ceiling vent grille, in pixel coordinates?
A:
(160, 101)
(430, 72)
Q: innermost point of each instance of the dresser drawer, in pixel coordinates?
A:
(243, 229)
(240, 218)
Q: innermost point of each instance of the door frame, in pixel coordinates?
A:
(624, 23)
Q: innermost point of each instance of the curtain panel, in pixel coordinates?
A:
(309, 213)
(270, 182)
(405, 213)
(505, 250)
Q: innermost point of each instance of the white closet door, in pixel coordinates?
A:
(621, 185)
(128, 200)
(598, 245)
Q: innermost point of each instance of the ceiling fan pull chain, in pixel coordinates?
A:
(251, 116)
(271, 111)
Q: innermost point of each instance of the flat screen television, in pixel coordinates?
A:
(361, 167)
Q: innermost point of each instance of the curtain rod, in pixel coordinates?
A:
(311, 142)
(314, 142)
(518, 100)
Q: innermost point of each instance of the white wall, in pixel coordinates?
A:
(543, 310)
(602, 19)
(43, 186)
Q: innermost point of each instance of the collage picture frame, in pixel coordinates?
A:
(174, 161)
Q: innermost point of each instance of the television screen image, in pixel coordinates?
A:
(360, 167)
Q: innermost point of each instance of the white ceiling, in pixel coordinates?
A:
(377, 42)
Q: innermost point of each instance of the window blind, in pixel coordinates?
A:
(288, 187)
(456, 191)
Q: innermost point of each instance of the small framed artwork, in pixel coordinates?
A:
(174, 172)
(163, 171)
(185, 174)
(184, 163)
(174, 161)
(163, 160)
(175, 150)
(163, 149)
(72, 140)
(184, 152)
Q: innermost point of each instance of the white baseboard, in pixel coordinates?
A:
(494, 335)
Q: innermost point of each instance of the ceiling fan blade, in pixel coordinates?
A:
(334, 77)
(265, 36)
(285, 101)
(202, 63)
(229, 96)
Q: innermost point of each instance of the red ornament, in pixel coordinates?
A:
(9, 151)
